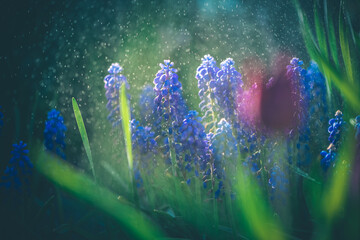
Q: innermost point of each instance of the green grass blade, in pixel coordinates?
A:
(321, 38)
(344, 46)
(311, 45)
(125, 116)
(255, 210)
(331, 35)
(332, 43)
(306, 32)
(84, 137)
(348, 90)
(131, 220)
(320, 30)
(335, 194)
(348, 20)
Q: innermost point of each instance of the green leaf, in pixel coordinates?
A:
(84, 137)
(348, 90)
(321, 38)
(125, 116)
(257, 213)
(131, 220)
(335, 195)
(344, 46)
(320, 30)
(332, 43)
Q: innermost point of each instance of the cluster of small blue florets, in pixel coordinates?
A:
(224, 151)
(206, 76)
(17, 173)
(335, 128)
(228, 85)
(317, 86)
(113, 82)
(54, 133)
(145, 148)
(193, 145)
(169, 103)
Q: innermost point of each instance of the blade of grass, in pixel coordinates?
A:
(84, 137)
(130, 219)
(332, 43)
(348, 90)
(344, 46)
(331, 35)
(320, 30)
(125, 119)
(311, 45)
(334, 196)
(255, 209)
(125, 116)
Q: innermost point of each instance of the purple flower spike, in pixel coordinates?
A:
(113, 82)
(336, 126)
(19, 170)
(54, 133)
(206, 76)
(228, 85)
(169, 105)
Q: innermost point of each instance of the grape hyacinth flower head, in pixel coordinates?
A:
(299, 86)
(317, 106)
(295, 70)
(144, 146)
(335, 128)
(206, 76)
(228, 85)
(194, 144)
(54, 133)
(223, 147)
(113, 82)
(223, 143)
(168, 104)
(18, 171)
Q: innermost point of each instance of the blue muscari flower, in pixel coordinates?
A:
(335, 127)
(1, 120)
(206, 76)
(193, 145)
(146, 104)
(19, 170)
(169, 108)
(54, 133)
(301, 86)
(144, 146)
(228, 85)
(317, 85)
(223, 147)
(113, 82)
(357, 128)
(168, 104)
